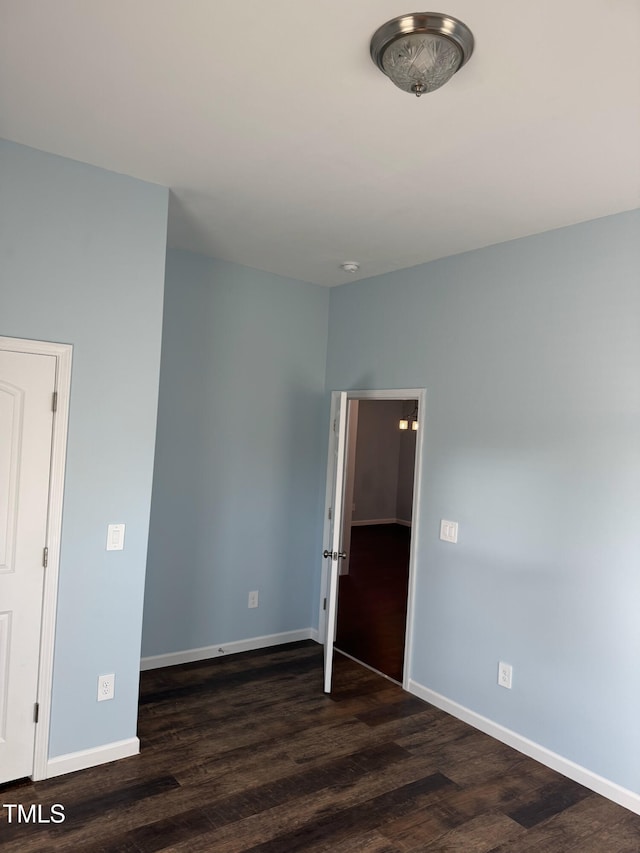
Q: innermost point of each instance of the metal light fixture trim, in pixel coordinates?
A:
(446, 35)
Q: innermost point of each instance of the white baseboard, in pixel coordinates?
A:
(220, 649)
(369, 521)
(605, 787)
(315, 635)
(92, 757)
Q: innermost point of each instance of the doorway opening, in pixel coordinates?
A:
(373, 584)
(373, 493)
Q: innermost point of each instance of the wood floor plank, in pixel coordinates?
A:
(421, 826)
(623, 837)
(282, 823)
(364, 816)
(405, 706)
(478, 835)
(368, 842)
(549, 801)
(328, 819)
(570, 830)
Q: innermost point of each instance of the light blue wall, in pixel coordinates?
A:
(82, 262)
(530, 354)
(241, 434)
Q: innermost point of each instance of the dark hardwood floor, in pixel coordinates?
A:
(247, 754)
(372, 598)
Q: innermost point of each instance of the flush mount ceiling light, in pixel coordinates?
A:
(421, 51)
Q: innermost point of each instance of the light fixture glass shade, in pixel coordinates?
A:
(421, 63)
(404, 424)
(421, 51)
(414, 426)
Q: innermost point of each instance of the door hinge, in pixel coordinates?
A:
(54, 402)
(335, 420)
(45, 558)
(330, 514)
(36, 712)
(324, 604)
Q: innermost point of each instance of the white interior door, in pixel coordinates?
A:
(27, 382)
(333, 549)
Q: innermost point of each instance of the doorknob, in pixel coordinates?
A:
(335, 556)
(342, 555)
(326, 553)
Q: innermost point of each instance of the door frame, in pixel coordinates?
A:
(63, 355)
(419, 394)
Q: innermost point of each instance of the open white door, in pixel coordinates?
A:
(333, 550)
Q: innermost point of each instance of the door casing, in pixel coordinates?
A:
(63, 354)
(418, 394)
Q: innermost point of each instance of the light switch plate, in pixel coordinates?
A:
(449, 531)
(115, 537)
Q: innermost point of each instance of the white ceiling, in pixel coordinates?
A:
(287, 150)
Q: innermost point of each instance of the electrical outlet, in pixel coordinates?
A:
(505, 672)
(106, 687)
(253, 598)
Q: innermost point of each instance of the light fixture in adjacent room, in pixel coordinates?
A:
(350, 266)
(422, 51)
(411, 422)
